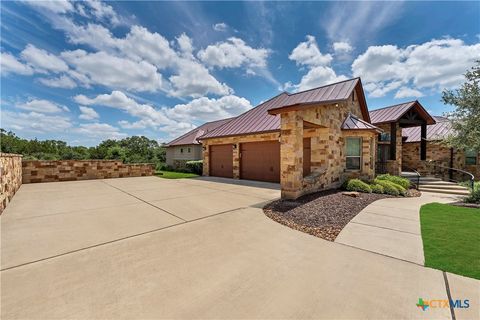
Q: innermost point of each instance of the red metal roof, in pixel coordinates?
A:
(253, 121)
(351, 122)
(258, 119)
(437, 131)
(191, 136)
(395, 112)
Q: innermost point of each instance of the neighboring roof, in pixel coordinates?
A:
(437, 131)
(395, 112)
(191, 136)
(328, 94)
(264, 118)
(351, 122)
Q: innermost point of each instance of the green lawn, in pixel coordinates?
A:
(174, 175)
(451, 238)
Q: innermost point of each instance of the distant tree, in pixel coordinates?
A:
(116, 153)
(466, 116)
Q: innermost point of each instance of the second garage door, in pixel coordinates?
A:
(221, 161)
(260, 161)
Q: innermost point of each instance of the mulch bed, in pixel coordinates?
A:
(323, 214)
(466, 205)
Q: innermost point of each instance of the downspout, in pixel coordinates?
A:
(450, 172)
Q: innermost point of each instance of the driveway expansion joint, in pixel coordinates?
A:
(449, 295)
(386, 228)
(145, 201)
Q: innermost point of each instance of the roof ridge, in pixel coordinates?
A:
(326, 85)
(395, 105)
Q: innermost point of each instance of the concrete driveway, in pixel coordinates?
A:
(198, 248)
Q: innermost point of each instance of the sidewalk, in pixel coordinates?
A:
(391, 227)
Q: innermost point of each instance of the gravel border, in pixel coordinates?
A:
(322, 214)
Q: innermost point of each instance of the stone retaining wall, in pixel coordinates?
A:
(70, 170)
(10, 177)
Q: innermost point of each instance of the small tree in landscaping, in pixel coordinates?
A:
(466, 117)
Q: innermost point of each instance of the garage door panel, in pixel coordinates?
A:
(221, 161)
(260, 161)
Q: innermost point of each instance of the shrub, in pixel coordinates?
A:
(358, 185)
(474, 196)
(195, 166)
(376, 188)
(404, 182)
(388, 187)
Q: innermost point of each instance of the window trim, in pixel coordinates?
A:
(360, 156)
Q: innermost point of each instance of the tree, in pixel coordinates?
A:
(466, 117)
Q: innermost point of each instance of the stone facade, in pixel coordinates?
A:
(10, 177)
(322, 124)
(71, 170)
(439, 154)
(393, 166)
(234, 140)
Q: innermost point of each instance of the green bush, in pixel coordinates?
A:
(405, 183)
(389, 187)
(358, 185)
(195, 166)
(376, 188)
(474, 196)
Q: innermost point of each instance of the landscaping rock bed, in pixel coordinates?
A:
(323, 214)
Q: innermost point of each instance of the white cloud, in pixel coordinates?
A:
(405, 92)
(56, 6)
(233, 53)
(102, 11)
(88, 113)
(307, 53)
(380, 89)
(43, 61)
(206, 109)
(360, 20)
(100, 131)
(175, 120)
(104, 69)
(342, 47)
(316, 77)
(59, 82)
(319, 70)
(221, 27)
(35, 122)
(10, 64)
(42, 106)
(436, 64)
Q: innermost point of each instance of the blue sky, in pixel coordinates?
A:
(86, 71)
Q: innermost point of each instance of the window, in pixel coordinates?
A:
(470, 157)
(384, 137)
(354, 149)
(181, 150)
(188, 150)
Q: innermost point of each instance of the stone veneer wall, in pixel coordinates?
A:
(10, 177)
(438, 153)
(328, 162)
(71, 170)
(394, 166)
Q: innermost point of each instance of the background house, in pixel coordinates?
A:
(187, 147)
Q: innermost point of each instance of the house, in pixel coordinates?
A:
(307, 141)
(316, 139)
(187, 147)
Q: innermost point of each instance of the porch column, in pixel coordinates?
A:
(393, 141)
(423, 142)
(291, 155)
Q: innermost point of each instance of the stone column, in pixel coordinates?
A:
(236, 160)
(206, 158)
(291, 155)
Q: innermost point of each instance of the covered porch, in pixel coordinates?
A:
(392, 120)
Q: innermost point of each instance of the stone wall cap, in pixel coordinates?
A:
(10, 155)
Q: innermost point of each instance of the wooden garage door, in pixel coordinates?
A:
(221, 161)
(260, 161)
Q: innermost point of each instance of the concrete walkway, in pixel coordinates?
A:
(145, 248)
(391, 227)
